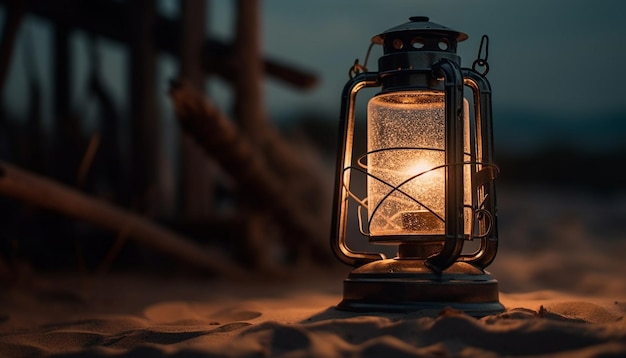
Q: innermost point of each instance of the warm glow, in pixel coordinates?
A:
(423, 169)
(406, 183)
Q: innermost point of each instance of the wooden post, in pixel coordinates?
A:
(64, 130)
(196, 183)
(249, 107)
(62, 72)
(14, 12)
(303, 183)
(145, 123)
(249, 112)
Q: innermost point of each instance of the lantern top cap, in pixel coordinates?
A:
(421, 24)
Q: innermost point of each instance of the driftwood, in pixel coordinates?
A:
(260, 186)
(46, 193)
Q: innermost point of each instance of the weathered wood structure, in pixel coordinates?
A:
(145, 34)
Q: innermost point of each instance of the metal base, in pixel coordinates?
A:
(403, 285)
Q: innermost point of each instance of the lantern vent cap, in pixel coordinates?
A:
(421, 24)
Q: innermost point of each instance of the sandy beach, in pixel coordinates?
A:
(560, 274)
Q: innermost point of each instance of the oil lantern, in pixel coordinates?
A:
(425, 183)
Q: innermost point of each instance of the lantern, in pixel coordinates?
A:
(429, 179)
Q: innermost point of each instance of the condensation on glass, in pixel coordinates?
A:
(406, 164)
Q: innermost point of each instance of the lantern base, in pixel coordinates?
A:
(406, 285)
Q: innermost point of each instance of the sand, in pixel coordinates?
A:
(561, 278)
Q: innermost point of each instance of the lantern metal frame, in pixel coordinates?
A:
(426, 274)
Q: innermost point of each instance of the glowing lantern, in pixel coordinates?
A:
(429, 178)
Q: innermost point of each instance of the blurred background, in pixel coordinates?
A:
(87, 102)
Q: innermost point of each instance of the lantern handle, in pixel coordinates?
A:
(480, 61)
(357, 68)
(344, 160)
(453, 243)
(482, 115)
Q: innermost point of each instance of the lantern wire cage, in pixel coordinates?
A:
(477, 210)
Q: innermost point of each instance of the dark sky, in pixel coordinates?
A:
(547, 55)
(556, 66)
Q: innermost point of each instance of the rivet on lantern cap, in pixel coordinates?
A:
(422, 24)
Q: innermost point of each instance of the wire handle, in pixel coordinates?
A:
(357, 68)
(480, 61)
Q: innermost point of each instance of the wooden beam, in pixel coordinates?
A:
(102, 18)
(219, 60)
(43, 192)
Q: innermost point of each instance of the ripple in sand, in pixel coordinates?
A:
(181, 313)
